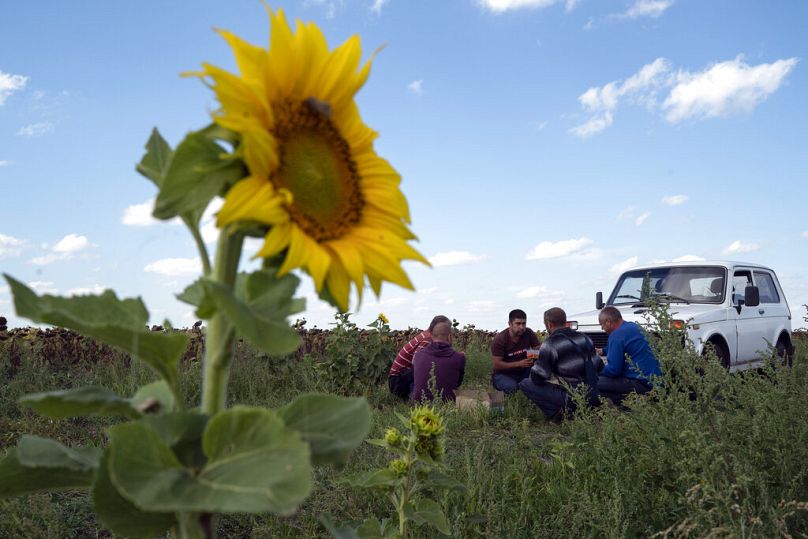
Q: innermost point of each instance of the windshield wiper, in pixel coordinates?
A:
(629, 296)
(671, 297)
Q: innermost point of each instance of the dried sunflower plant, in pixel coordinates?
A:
(295, 164)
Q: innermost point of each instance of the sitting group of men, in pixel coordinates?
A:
(542, 371)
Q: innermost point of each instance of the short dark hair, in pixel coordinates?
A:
(442, 331)
(437, 320)
(555, 316)
(610, 313)
(516, 313)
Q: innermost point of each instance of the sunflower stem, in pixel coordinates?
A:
(200, 246)
(221, 333)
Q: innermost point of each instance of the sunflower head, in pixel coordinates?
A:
(329, 204)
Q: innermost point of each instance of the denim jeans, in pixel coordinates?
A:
(616, 389)
(401, 385)
(509, 382)
(550, 398)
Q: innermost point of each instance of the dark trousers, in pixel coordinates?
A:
(550, 398)
(616, 389)
(508, 382)
(401, 385)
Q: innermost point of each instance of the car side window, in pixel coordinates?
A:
(768, 292)
(740, 280)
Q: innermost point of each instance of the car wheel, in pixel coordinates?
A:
(781, 351)
(721, 353)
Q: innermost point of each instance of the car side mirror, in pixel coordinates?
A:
(751, 296)
(599, 300)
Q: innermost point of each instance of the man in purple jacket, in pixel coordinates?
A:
(448, 364)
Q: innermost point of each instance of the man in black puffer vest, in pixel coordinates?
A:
(565, 355)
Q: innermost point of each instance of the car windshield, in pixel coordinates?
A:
(679, 284)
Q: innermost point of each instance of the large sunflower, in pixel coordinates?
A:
(330, 202)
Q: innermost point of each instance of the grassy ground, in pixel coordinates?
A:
(711, 454)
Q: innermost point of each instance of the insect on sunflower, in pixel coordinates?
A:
(331, 205)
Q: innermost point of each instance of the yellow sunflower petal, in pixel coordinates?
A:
(275, 241)
(252, 199)
(339, 285)
(350, 258)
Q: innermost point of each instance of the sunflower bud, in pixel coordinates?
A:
(393, 437)
(425, 422)
(399, 467)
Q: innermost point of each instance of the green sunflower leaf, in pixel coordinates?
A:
(154, 398)
(119, 322)
(79, 402)
(194, 294)
(382, 477)
(43, 464)
(429, 512)
(259, 309)
(333, 426)
(121, 516)
(336, 531)
(254, 464)
(199, 170)
(155, 162)
(182, 432)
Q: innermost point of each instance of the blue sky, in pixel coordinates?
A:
(543, 144)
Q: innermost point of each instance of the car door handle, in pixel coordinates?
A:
(761, 311)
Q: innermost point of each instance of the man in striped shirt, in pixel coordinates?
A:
(400, 378)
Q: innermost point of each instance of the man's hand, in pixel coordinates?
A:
(599, 351)
(526, 362)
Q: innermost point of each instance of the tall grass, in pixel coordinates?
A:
(707, 454)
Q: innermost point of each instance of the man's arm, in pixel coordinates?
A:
(499, 364)
(615, 359)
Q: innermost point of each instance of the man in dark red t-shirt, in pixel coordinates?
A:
(509, 353)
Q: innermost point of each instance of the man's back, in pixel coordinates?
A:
(449, 366)
(629, 340)
(565, 354)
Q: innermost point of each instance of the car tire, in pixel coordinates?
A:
(720, 351)
(781, 352)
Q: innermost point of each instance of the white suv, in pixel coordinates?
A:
(737, 308)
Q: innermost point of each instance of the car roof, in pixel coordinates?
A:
(722, 263)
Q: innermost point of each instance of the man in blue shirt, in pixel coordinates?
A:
(622, 376)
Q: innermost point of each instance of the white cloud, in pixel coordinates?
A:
(720, 90)
(140, 214)
(738, 247)
(377, 6)
(549, 249)
(86, 290)
(641, 219)
(500, 6)
(594, 126)
(174, 267)
(620, 267)
(723, 89)
(646, 8)
(72, 243)
(482, 306)
(602, 101)
(5, 162)
(455, 258)
(10, 246)
(47, 259)
(43, 287)
(416, 87)
(35, 130)
(804, 234)
(674, 200)
(688, 258)
(65, 249)
(9, 84)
